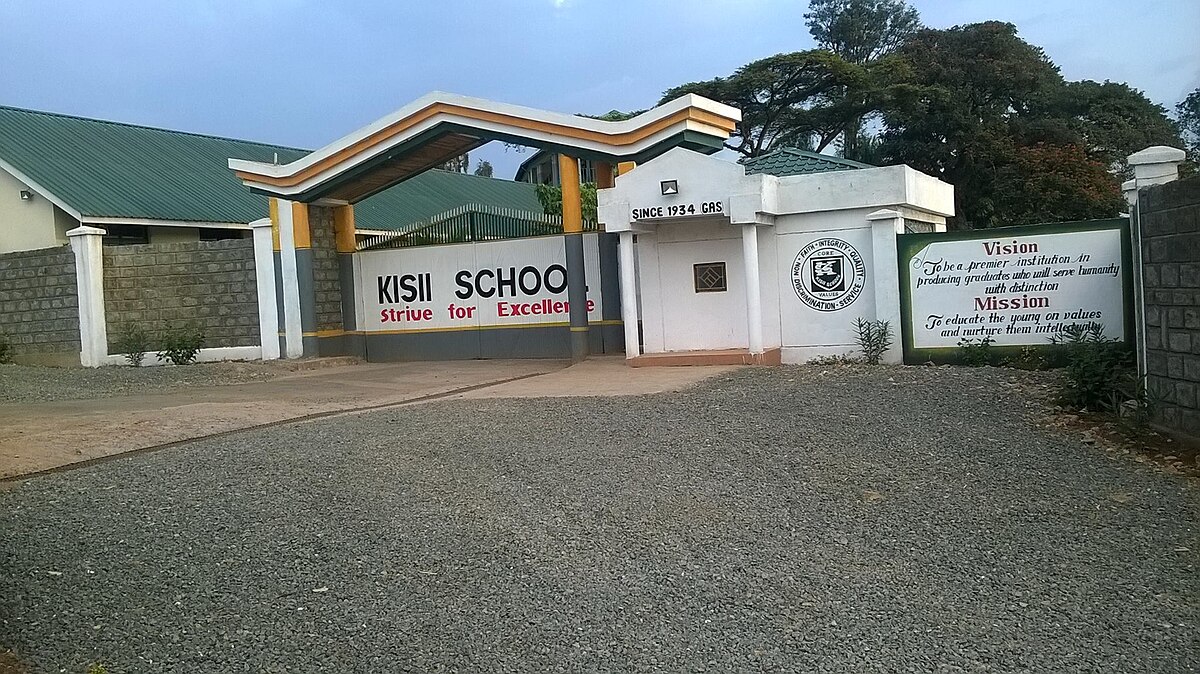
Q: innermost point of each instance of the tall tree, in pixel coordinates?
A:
(972, 82)
(792, 99)
(484, 168)
(1187, 113)
(1110, 120)
(861, 32)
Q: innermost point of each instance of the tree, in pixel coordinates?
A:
(484, 168)
(460, 164)
(1055, 183)
(798, 99)
(1110, 120)
(551, 198)
(972, 85)
(1187, 113)
(861, 31)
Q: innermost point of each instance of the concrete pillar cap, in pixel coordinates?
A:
(1157, 154)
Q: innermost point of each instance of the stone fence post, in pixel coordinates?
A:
(89, 279)
(1155, 165)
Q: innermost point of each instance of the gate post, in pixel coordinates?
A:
(572, 207)
(89, 280)
(264, 274)
(885, 225)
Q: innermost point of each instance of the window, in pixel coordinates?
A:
(126, 235)
(214, 234)
(710, 277)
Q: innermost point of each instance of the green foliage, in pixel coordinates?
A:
(1100, 372)
(96, 668)
(861, 31)
(180, 345)
(551, 198)
(483, 168)
(1187, 113)
(874, 338)
(5, 350)
(976, 353)
(802, 99)
(133, 341)
(990, 114)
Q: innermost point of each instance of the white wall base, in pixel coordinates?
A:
(211, 355)
(796, 355)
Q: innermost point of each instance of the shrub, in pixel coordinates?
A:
(976, 354)
(133, 341)
(5, 350)
(874, 338)
(180, 345)
(1100, 372)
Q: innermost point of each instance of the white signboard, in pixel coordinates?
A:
(473, 285)
(1016, 290)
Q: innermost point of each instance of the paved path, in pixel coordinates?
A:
(43, 436)
(771, 519)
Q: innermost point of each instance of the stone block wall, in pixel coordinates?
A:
(327, 292)
(39, 306)
(1170, 230)
(210, 284)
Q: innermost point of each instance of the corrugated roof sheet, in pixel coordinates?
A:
(790, 161)
(110, 169)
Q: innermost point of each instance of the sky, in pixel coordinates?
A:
(306, 72)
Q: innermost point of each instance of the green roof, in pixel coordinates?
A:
(434, 192)
(112, 170)
(790, 161)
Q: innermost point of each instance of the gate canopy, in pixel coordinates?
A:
(439, 126)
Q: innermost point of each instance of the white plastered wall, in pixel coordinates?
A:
(25, 225)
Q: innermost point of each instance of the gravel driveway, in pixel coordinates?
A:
(786, 519)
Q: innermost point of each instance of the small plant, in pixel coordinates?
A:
(96, 668)
(874, 339)
(180, 345)
(132, 341)
(1100, 372)
(976, 354)
(5, 350)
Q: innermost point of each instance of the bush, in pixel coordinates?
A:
(133, 341)
(976, 354)
(1100, 372)
(180, 345)
(5, 351)
(874, 338)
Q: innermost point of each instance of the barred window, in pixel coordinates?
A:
(710, 277)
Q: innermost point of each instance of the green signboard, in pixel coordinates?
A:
(1016, 287)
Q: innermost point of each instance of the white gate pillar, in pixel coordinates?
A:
(885, 225)
(264, 275)
(629, 301)
(89, 281)
(754, 328)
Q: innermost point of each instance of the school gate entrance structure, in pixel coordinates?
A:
(479, 298)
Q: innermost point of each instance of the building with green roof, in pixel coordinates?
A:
(144, 184)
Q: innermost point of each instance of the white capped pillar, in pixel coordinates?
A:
(753, 288)
(629, 302)
(885, 225)
(264, 274)
(293, 335)
(89, 280)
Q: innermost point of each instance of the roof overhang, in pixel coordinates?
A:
(440, 126)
